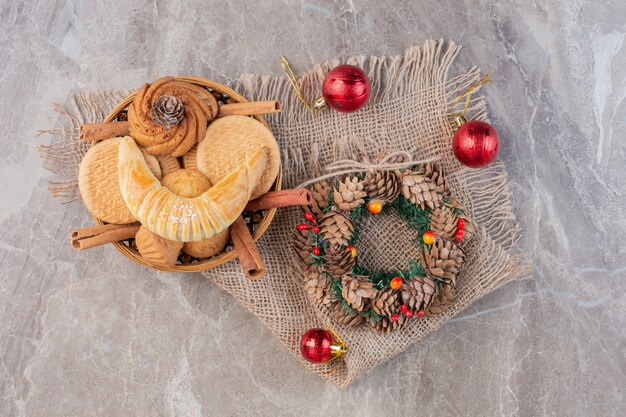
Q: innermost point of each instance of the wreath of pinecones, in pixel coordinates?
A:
(385, 300)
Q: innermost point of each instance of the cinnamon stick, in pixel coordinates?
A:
(249, 109)
(91, 132)
(249, 256)
(282, 198)
(90, 237)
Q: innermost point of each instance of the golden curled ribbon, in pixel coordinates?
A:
(468, 94)
(294, 82)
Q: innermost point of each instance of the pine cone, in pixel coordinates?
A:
(301, 244)
(385, 303)
(385, 325)
(336, 228)
(443, 222)
(347, 317)
(418, 293)
(442, 302)
(317, 285)
(349, 194)
(357, 291)
(321, 197)
(167, 111)
(382, 185)
(339, 260)
(457, 207)
(425, 187)
(443, 261)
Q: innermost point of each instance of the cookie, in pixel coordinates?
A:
(155, 249)
(99, 185)
(229, 142)
(191, 183)
(189, 159)
(153, 164)
(168, 164)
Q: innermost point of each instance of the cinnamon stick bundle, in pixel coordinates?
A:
(90, 237)
(282, 198)
(249, 256)
(91, 132)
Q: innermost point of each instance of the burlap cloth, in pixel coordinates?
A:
(409, 110)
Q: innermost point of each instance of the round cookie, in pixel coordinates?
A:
(156, 249)
(229, 142)
(191, 183)
(168, 164)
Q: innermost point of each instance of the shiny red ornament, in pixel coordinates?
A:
(318, 346)
(310, 217)
(475, 143)
(346, 88)
(303, 226)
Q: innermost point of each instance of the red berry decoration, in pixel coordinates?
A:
(408, 314)
(303, 226)
(318, 346)
(459, 235)
(475, 143)
(310, 217)
(420, 313)
(316, 250)
(394, 317)
(346, 88)
(404, 308)
(460, 224)
(396, 283)
(316, 229)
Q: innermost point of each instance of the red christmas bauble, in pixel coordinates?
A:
(475, 143)
(346, 88)
(315, 345)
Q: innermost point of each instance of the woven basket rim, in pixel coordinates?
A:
(223, 257)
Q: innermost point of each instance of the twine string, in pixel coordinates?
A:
(468, 94)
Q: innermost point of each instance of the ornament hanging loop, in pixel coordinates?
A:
(294, 83)
(459, 118)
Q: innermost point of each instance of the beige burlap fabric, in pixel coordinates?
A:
(409, 110)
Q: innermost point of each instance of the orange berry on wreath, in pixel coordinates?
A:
(429, 238)
(396, 283)
(375, 206)
(352, 250)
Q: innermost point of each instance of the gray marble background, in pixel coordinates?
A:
(91, 333)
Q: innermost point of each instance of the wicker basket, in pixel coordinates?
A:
(226, 256)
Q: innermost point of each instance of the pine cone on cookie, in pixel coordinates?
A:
(382, 185)
(418, 293)
(425, 187)
(301, 244)
(347, 317)
(442, 301)
(338, 260)
(385, 303)
(386, 325)
(321, 192)
(443, 261)
(317, 285)
(349, 194)
(357, 291)
(167, 111)
(336, 228)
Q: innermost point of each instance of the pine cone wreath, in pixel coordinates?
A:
(301, 244)
(418, 293)
(347, 317)
(443, 261)
(357, 291)
(349, 194)
(321, 197)
(382, 185)
(317, 285)
(442, 301)
(459, 209)
(425, 187)
(386, 325)
(338, 260)
(336, 228)
(385, 303)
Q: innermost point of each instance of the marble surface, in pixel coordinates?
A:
(85, 334)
